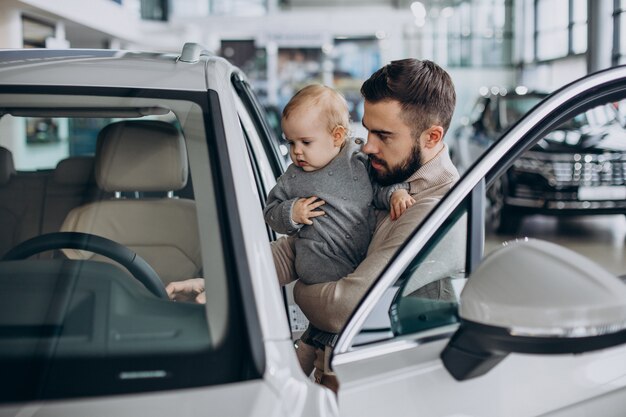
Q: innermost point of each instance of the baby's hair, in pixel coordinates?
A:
(334, 105)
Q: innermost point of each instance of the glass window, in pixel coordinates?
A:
(552, 28)
(579, 26)
(154, 9)
(569, 188)
(194, 8)
(35, 32)
(621, 23)
(429, 289)
(40, 143)
(426, 295)
(478, 33)
(89, 313)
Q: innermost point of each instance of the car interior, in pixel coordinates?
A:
(37, 202)
(162, 230)
(85, 247)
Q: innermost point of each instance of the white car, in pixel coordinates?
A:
(122, 171)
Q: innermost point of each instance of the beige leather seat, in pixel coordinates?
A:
(143, 156)
(21, 202)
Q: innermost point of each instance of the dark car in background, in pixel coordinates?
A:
(578, 168)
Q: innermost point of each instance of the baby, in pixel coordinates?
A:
(328, 170)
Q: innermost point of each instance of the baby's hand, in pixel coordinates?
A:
(304, 210)
(399, 202)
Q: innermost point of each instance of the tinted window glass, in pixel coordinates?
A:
(79, 314)
(426, 295)
(430, 287)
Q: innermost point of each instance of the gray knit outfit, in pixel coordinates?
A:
(335, 244)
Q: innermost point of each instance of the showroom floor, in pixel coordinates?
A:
(600, 238)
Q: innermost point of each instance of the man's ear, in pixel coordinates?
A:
(432, 136)
(339, 135)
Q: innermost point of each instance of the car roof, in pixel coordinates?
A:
(105, 68)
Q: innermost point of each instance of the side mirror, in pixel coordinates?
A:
(534, 297)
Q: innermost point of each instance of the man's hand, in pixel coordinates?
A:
(304, 209)
(399, 202)
(187, 290)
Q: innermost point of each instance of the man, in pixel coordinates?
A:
(408, 108)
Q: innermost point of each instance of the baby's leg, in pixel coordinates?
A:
(306, 356)
(284, 260)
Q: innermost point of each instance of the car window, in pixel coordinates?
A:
(47, 140)
(426, 294)
(570, 188)
(259, 158)
(430, 287)
(78, 305)
(264, 123)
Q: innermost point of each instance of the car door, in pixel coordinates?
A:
(388, 357)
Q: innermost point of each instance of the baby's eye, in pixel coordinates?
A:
(306, 142)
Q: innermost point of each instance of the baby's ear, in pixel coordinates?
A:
(339, 135)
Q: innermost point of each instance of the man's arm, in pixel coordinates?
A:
(329, 305)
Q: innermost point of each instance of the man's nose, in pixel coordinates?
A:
(370, 146)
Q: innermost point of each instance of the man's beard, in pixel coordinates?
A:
(400, 172)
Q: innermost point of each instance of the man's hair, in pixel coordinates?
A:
(332, 104)
(424, 90)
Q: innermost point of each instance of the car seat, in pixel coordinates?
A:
(21, 202)
(133, 157)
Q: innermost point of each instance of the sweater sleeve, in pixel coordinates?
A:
(277, 212)
(382, 195)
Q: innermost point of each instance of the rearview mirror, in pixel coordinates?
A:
(536, 297)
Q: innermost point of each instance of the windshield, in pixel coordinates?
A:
(80, 315)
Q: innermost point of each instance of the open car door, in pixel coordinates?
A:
(531, 328)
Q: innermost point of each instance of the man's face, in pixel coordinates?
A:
(394, 154)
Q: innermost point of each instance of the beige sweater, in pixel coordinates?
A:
(329, 305)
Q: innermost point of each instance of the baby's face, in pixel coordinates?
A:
(311, 145)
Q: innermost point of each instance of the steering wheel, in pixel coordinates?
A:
(135, 264)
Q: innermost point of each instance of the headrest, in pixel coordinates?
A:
(76, 170)
(7, 169)
(146, 155)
